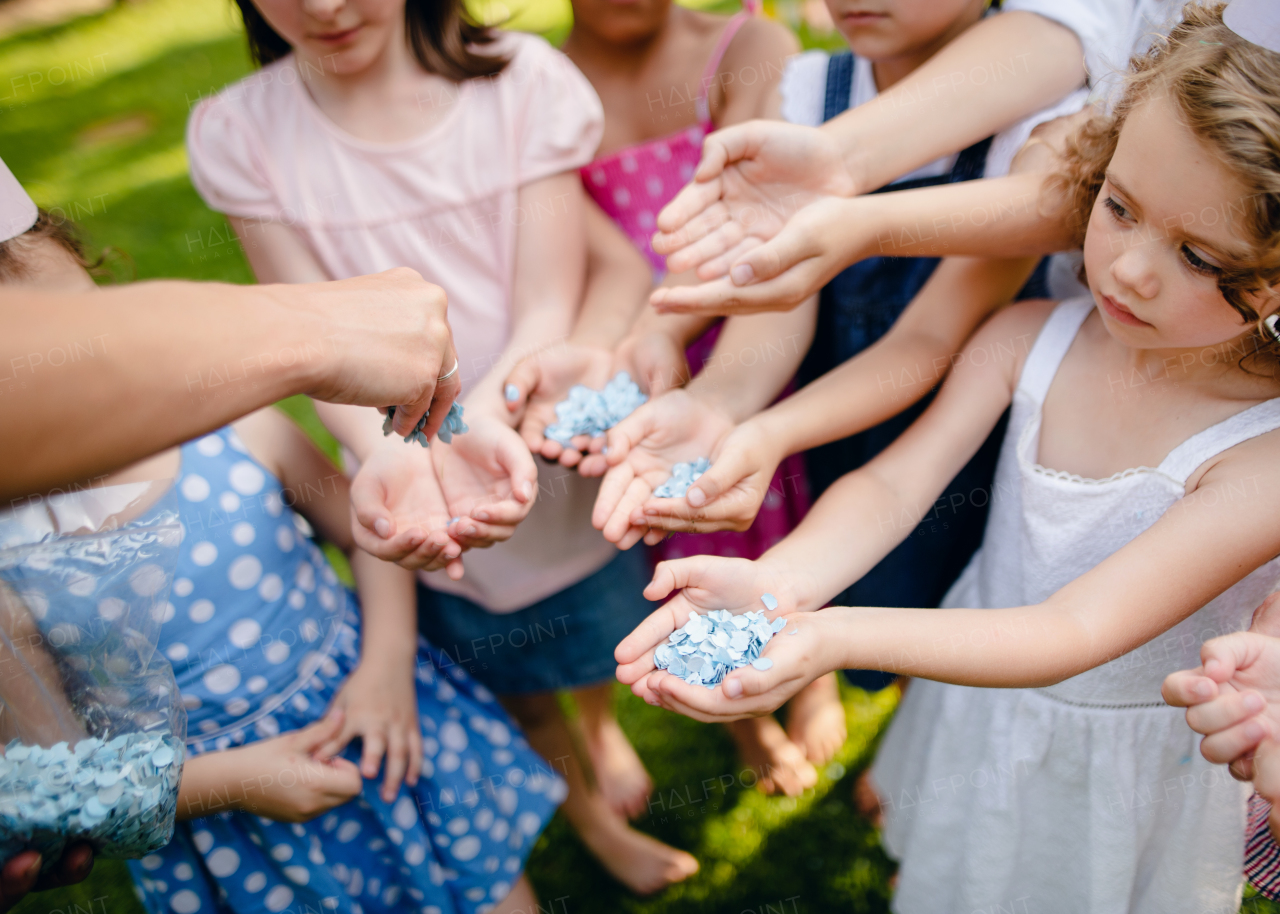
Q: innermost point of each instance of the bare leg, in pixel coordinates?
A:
(521, 899)
(815, 719)
(643, 864)
(620, 774)
(779, 764)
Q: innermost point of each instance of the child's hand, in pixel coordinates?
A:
(709, 582)
(643, 447)
(798, 660)
(820, 240)
(379, 704)
(543, 380)
(398, 512)
(726, 497)
(1233, 697)
(278, 778)
(489, 481)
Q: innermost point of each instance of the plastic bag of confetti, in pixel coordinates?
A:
(92, 728)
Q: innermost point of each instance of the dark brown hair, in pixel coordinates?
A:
(1227, 90)
(440, 32)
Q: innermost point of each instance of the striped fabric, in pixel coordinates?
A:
(1261, 852)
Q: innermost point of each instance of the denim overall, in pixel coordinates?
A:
(857, 308)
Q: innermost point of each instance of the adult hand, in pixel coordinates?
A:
(398, 512)
(541, 381)
(727, 496)
(384, 340)
(20, 874)
(1233, 697)
(753, 176)
(673, 428)
(705, 582)
(488, 479)
(779, 273)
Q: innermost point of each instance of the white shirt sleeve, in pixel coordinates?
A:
(804, 88)
(1103, 27)
(1006, 143)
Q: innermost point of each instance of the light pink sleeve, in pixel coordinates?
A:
(227, 166)
(559, 117)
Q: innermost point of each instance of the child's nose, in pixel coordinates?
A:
(1135, 270)
(323, 9)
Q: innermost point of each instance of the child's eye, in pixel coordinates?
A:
(1198, 263)
(1116, 208)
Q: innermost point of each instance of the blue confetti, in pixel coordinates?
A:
(453, 425)
(593, 412)
(682, 476)
(512, 393)
(707, 648)
(120, 795)
(762, 664)
(770, 601)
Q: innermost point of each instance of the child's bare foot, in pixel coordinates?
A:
(815, 719)
(779, 764)
(620, 775)
(643, 864)
(866, 799)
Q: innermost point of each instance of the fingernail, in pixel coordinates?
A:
(1202, 690)
(733, 687)
(653, 700)
(382, 527)
(470, 531)
(512, 393)
(1212, 666)
(528, 489)
(482, 515)
(742, 274)
(1253, 702)
(696, 497)
(1253, 730)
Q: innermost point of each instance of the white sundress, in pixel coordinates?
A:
(1091, 795)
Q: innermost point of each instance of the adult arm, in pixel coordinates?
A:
(154, 364)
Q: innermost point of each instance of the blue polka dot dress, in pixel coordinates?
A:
(261, 635)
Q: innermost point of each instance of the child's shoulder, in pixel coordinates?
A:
(259, 94)
(1013, 329)
(761, 43)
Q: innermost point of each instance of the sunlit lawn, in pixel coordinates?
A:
(91, 120)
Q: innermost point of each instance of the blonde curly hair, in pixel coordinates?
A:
(1227, 90)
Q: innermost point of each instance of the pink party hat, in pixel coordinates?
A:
(1255, 20)
(17, 209)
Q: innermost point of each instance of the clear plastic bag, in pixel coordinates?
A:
(92, 728)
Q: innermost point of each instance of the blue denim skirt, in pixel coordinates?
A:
(562, 642)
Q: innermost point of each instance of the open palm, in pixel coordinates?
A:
(488, 479)
(399, 513)
(674, 428)
(543, 380)
(706, 583)
(752, 177)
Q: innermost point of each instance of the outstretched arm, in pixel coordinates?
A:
(158, 363)
(899, 369)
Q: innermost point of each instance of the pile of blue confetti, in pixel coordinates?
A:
(708, 648)
(682, 476)
(593, 412)
(119, 795)
(453, 425)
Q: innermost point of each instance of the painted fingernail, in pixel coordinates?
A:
(733, 687)
(1253, 702)
(742, 274)
(696, 497)
(512, 393)
(382, 527)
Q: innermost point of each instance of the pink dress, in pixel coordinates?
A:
(632, 186)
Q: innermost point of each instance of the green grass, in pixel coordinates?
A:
(91, 121)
